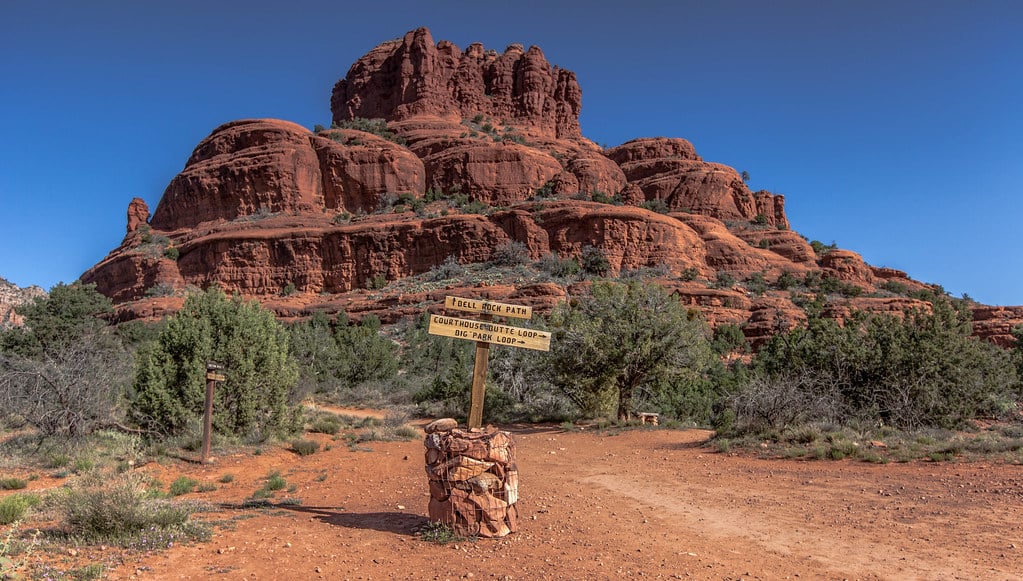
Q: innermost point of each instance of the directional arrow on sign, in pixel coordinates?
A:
(490, 333)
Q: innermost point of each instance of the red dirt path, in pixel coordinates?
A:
(644, 503)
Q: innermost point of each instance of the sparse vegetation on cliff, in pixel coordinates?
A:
(377, 127)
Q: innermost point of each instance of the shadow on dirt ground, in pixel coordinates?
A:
(401, 523)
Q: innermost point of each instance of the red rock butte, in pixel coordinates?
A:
(438, 154)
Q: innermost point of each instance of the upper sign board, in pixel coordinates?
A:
(487, 307)
(490, 333)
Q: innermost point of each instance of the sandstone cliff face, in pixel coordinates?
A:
(413, 76)
(668, 170)
(11, 297)
(267, 166)
(482, 151)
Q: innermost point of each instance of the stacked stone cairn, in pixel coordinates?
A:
(474, 481)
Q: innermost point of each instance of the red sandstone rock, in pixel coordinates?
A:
(413, 76)
(12, 297)
(996, 323)
(670, 171)
(629, 237)
(494, 173)
(138, 214)
(848, 266)
(266, 166)
(358, 169)
(261, 204)
(243, 168)
(769, 316)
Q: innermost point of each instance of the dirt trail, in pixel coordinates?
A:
(653, 504)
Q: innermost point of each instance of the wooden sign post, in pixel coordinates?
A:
(212, 377)
(485, 333)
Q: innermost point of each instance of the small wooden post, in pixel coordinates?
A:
(479, 381)
(479, 384)
(207, 419)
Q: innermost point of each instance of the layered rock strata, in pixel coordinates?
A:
(471, 151)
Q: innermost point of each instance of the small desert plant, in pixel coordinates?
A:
(375, 126)
(124, 513)
(205, 486)
(13, 483)
(14, 507)
(724, 281)
(403, 432)
(326, 424)
(83, 465)
(558, 266)
(475, 207)
(512, 253)
(227, 478)
(9, 547)
(160, 289)
(440, 533)
(274, 482)
(658, 206)
(593, 261)
(545, 191)
(305, 447)
(182, 485)
(406, 432)
(448, 270)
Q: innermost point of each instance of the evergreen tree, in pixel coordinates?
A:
(622, 339)
(255, 400)
(924, 369)
(64, 316)
(339, 356)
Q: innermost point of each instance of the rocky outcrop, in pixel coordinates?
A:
(316, 255)
(472, 153)
(848, 266)
(358, 170)
(413, 76)
(138, 215)
(997, 323)
(11, 297)
(259, 167)
(669, 172)
(496, 174)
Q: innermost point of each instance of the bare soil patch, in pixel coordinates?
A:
(642, 503)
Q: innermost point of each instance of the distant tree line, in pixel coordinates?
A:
(622, 348)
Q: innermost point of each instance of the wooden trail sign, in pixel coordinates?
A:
(490, 333)
(488, 308)
(486, 333)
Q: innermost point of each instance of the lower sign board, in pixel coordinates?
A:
(490, 333)
(216, 377)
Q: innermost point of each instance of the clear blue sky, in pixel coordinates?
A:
(894, 128)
